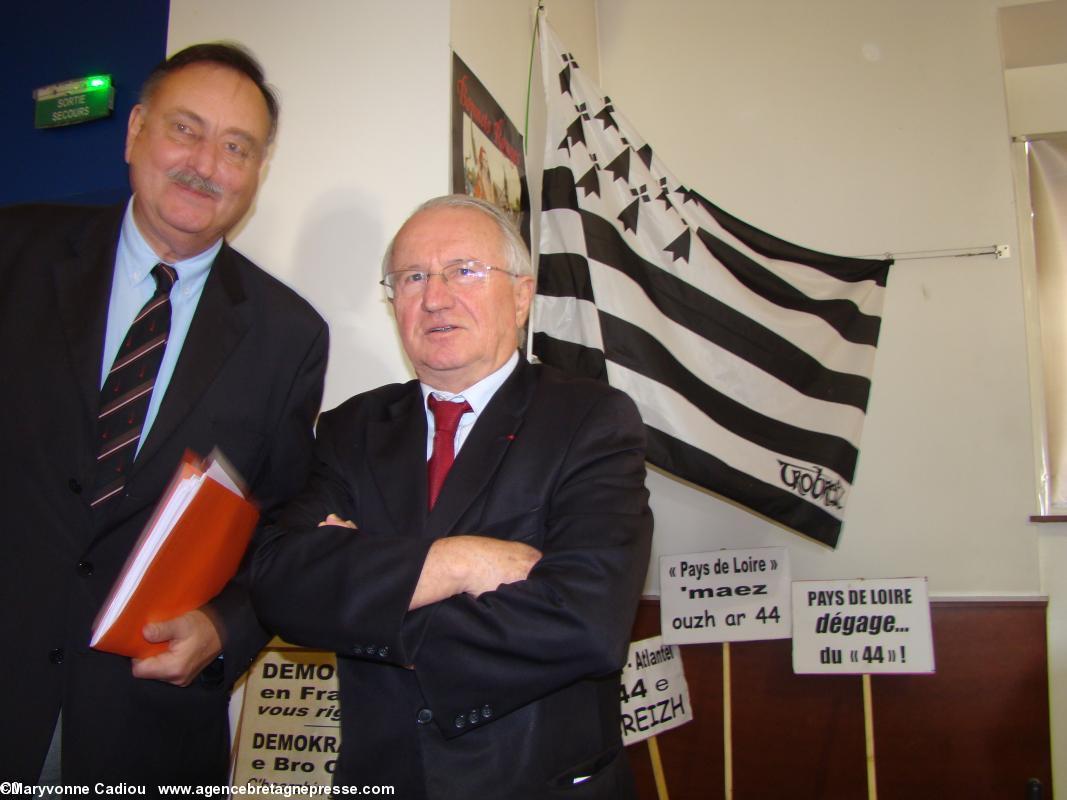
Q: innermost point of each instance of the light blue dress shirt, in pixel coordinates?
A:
(131, 288)
(477, 395)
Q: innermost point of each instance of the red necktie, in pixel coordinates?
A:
(446, 419)
(128, 389)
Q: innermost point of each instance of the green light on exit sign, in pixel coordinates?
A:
(73, 101)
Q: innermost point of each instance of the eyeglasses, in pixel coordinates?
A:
(463, 275)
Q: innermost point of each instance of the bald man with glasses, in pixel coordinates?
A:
(472, 543)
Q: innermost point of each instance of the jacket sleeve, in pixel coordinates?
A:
(330, 587)
(477, 659)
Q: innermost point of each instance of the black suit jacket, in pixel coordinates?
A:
(511, 695)
(249, 381)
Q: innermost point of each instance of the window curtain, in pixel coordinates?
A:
(1048, 196)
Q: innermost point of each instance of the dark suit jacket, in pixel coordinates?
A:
(249, 381)
(512, 695)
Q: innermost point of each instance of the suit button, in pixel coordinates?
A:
(460, 721)
(85, 568)
(357, 650)
(487, 712)
(474, 717)
(74, 486)
(383, 652)
(424, 716)
(56, 656)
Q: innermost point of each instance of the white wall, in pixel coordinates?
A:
(363, 139)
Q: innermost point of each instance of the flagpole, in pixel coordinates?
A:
(868, 730)
(657, 769)
(998, 250)
(529, 77)
(727, 724)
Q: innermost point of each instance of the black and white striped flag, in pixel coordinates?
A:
(750, 358)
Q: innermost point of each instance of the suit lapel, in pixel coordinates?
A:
(219, 323)
(83, 291)
(479, 459)
(396, 458)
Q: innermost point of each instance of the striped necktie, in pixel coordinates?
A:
(128, 390)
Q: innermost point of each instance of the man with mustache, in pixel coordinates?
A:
(130, 335)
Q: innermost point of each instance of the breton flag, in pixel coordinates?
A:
(749, 358)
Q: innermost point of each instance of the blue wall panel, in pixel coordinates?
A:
(48, 41)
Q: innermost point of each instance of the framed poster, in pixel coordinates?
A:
(487, 156)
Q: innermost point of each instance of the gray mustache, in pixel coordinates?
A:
(191, 180)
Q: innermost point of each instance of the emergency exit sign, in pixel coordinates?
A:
(73, 101)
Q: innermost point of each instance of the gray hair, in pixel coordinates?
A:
(516, 253)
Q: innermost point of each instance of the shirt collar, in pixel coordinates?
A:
(480, 393)
(139, 257)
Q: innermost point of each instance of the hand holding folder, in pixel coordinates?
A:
(191, 547)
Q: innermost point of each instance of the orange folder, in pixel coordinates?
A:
(191, 547)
